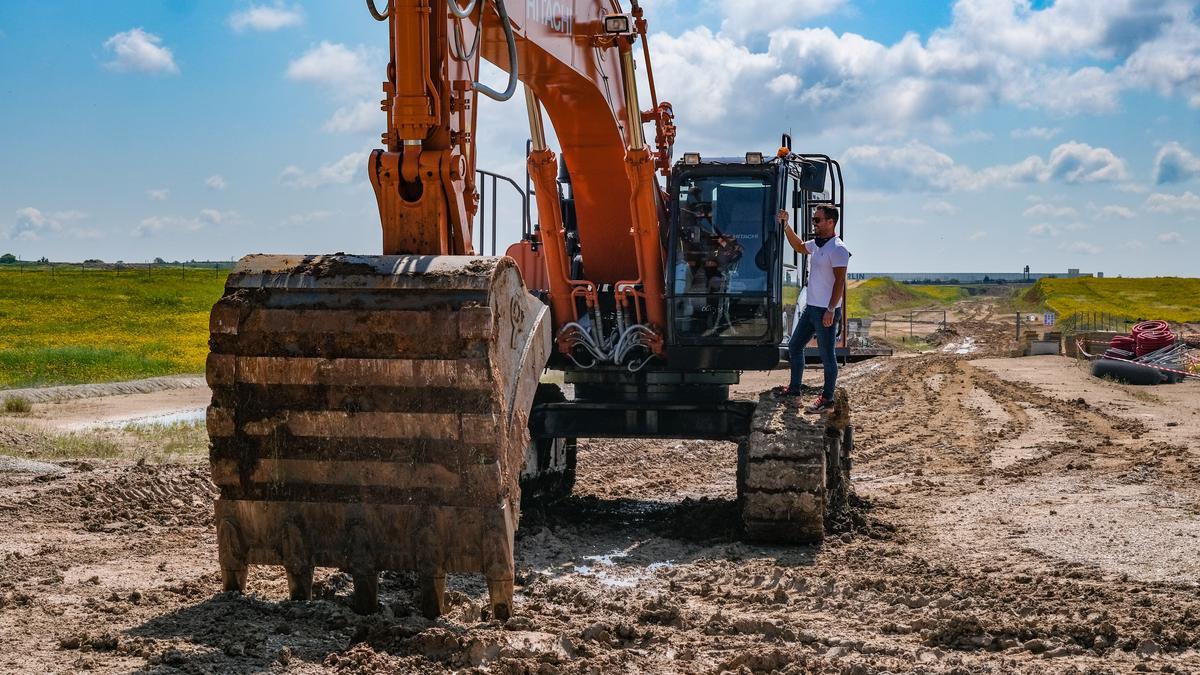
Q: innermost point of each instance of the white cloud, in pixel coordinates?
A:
(1170, 63)
(977, 235)
(1089, 90)
(1075, 162)
(32, 223)
(1133, 188)
(1068, 58)
(154, 225)
(744, 17)
(339, 172)
(309, 217)
(266, 18)
(1166, 203)
(1043, 230)
(362, 117)
(727, 69)
(1116, 211)
(1175, 164)
(212, 216)
(1171, 238)
(911, 167)
(784, 85)
(157, 195)
(150, 226)
(336, 67)
(216, 182)
(1044, 210)
(918, 167)
(350, 76)
(940, 207)
(1037, 133)
(137, 50)
(1082, 247)
(892, 219)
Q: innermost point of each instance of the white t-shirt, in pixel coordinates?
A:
(820, 269)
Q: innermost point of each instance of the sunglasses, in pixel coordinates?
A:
(817, 219)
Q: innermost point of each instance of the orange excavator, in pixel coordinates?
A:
(384, 412)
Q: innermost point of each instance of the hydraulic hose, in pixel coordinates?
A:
(459, 11)
(513, 74)
(385, 14)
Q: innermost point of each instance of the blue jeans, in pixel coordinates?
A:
(812, 323)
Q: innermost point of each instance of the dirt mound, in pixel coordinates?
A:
(77, 391)
(942, 336)
(15, 439)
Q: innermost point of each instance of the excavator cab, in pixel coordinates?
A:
(723, 245)
(730, 299)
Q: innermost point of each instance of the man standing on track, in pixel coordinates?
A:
(828, 261)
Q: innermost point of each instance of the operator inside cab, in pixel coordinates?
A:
(719, 266)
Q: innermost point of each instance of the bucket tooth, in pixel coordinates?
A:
(370, 413)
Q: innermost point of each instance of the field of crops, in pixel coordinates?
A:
(1167, 298)
(73, 326)
(883, 294)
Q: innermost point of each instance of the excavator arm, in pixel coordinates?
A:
(575, 59)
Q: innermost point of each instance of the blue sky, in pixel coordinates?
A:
(976, 134)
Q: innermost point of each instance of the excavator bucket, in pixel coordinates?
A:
(370, 413)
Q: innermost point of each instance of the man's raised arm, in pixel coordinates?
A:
(793, 238)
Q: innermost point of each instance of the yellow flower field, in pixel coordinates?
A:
(1168, 298)
(74, 326)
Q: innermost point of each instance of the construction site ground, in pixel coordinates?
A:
(1012, 515)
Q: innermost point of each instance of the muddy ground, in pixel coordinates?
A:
(1016, 515)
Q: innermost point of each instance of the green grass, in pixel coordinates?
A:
(152, 442)
(71, 327)
(76, 445)
(17, 404)
(883, 294)
(163, 442)
(1167, 298)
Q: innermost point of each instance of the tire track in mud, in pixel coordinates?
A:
(923, 402)
(906, 422)
(130, 497)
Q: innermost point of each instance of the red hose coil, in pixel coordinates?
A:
(1149, 336)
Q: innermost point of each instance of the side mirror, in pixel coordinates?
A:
(812, 176)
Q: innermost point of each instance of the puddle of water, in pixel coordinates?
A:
(967, 346)
(162, 420)
(627, 578)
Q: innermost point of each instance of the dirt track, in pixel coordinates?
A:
(1022, 517)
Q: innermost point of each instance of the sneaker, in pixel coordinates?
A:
(820, 406)
(784, 392)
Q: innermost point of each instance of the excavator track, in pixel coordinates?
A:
(370, 413)
(792, 471)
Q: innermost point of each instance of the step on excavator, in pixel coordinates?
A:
(384, 412)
